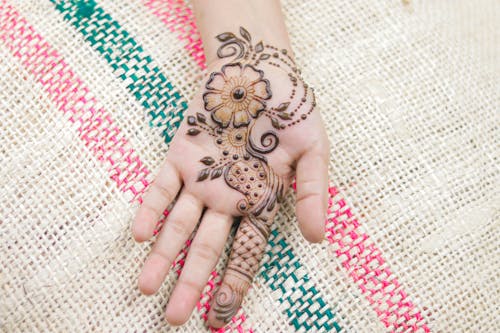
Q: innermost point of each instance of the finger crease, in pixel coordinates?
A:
(178, 228)
(191, 284)
(164, 192)
(205, 251)
(152, 208)
(163, 256)
(308, 195)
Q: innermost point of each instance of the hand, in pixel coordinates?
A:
(248, 131)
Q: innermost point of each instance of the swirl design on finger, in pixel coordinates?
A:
(226, 303)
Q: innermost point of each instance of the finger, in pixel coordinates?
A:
(247, 251)
(202, 258)
(312, 193)
(161, 193)
(178, 227)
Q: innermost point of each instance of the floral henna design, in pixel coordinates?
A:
(236, 97)
(237, 93)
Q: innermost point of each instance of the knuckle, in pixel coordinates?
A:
(308, 187)
(189, 283)
(162, 255)
(309, 183)
(190, 203)
(164, 190)
(152, 208)
(204, 250)
(217, 215)
(305, 195)
(178, 228)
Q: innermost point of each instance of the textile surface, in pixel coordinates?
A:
(92, 92)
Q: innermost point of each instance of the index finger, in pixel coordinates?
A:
(161, 193)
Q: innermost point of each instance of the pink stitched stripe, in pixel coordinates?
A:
(365, 264)
(180, 19)
(362, 259)
(96, 127)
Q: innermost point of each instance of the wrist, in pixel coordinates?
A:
(262, 19)
(241, 45)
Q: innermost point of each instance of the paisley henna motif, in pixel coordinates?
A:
(236, 97)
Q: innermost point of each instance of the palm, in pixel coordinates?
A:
(246, 132)
(187, 151)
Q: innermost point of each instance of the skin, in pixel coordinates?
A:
(302, 153)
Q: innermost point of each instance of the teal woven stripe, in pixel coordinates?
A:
(165, 105)
(281, 267)
(130, 63)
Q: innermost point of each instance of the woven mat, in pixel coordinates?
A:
(92, 93)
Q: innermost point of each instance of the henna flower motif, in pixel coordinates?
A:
(237, 93)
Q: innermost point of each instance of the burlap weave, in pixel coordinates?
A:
(91, 94)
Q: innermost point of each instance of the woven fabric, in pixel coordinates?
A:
(92, 92)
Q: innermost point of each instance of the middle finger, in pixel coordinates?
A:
(202, 258)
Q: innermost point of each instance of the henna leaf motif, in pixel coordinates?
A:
(193, 131)
(259, 47)
(284, 116)
(245, 34)
(207, 160)
(201, 118)
(282, 107)
(275, 123)
(264, 56)
(225, 36)
(203, 174)
(216, 173)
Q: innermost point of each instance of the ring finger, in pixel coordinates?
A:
(178, 227)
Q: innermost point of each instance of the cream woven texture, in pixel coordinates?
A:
(410, 93)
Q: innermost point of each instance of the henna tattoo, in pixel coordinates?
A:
(236, 97)
(236, 94)
(269, 141)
